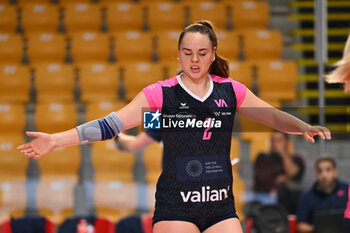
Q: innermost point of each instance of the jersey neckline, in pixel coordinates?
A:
(210, 90)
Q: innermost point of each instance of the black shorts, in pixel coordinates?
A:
(201, 223)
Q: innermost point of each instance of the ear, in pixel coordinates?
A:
(214, 52)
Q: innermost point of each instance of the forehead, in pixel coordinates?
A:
(324, 164)
(195, 40)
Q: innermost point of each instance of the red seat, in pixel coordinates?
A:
(104, 226)
(146, 222)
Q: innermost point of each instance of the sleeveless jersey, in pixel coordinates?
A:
(196, 180)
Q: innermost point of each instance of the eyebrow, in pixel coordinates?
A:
(202, 49)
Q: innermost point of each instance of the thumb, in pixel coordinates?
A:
(32, 134)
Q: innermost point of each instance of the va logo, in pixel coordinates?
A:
(151, 120)
(221, 103)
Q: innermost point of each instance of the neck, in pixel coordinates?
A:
(327, 189)
(199, 86)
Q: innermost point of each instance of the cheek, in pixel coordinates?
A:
(182, 59)
(208, 61)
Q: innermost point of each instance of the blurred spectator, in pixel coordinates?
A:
(326, 194)
(134, 143)
(278, 174)
(136, 223)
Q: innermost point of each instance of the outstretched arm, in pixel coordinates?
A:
(130, 115)
(256, 109)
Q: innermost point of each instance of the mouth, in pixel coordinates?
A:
(195, 69)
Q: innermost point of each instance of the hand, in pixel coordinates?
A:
(312, 131)
(280, 179)
(40, 146)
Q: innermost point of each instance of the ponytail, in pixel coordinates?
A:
(220, 66)
(341, 74)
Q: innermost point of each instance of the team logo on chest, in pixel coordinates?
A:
(221, 103)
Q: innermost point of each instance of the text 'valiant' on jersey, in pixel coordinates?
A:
(191, 123)
(205, 195)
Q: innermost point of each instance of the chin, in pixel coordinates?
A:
(195, 75)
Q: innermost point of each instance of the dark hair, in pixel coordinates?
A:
(325, 158)
(219, 66)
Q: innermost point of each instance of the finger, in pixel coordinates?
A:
(326, 134)
(22, 147)
(32, 134)
(321, 134)
(28, 150)
(309, 137)
(25, 154)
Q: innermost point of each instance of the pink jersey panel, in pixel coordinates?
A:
(154, 93)
(239, 88)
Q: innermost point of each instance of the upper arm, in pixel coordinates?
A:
(252, 101)
(131, 114)
(151, 97)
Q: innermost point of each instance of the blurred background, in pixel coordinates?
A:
(65, 62)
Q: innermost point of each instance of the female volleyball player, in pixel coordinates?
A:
(195, 110)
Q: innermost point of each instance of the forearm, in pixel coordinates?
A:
(305, 228)
(285, 122)
(66, 138)
(258, 110)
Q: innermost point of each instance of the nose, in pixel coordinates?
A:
(195, 58)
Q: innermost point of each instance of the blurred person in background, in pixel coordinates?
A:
(327, 193)
(134, 143)
(278, 174)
